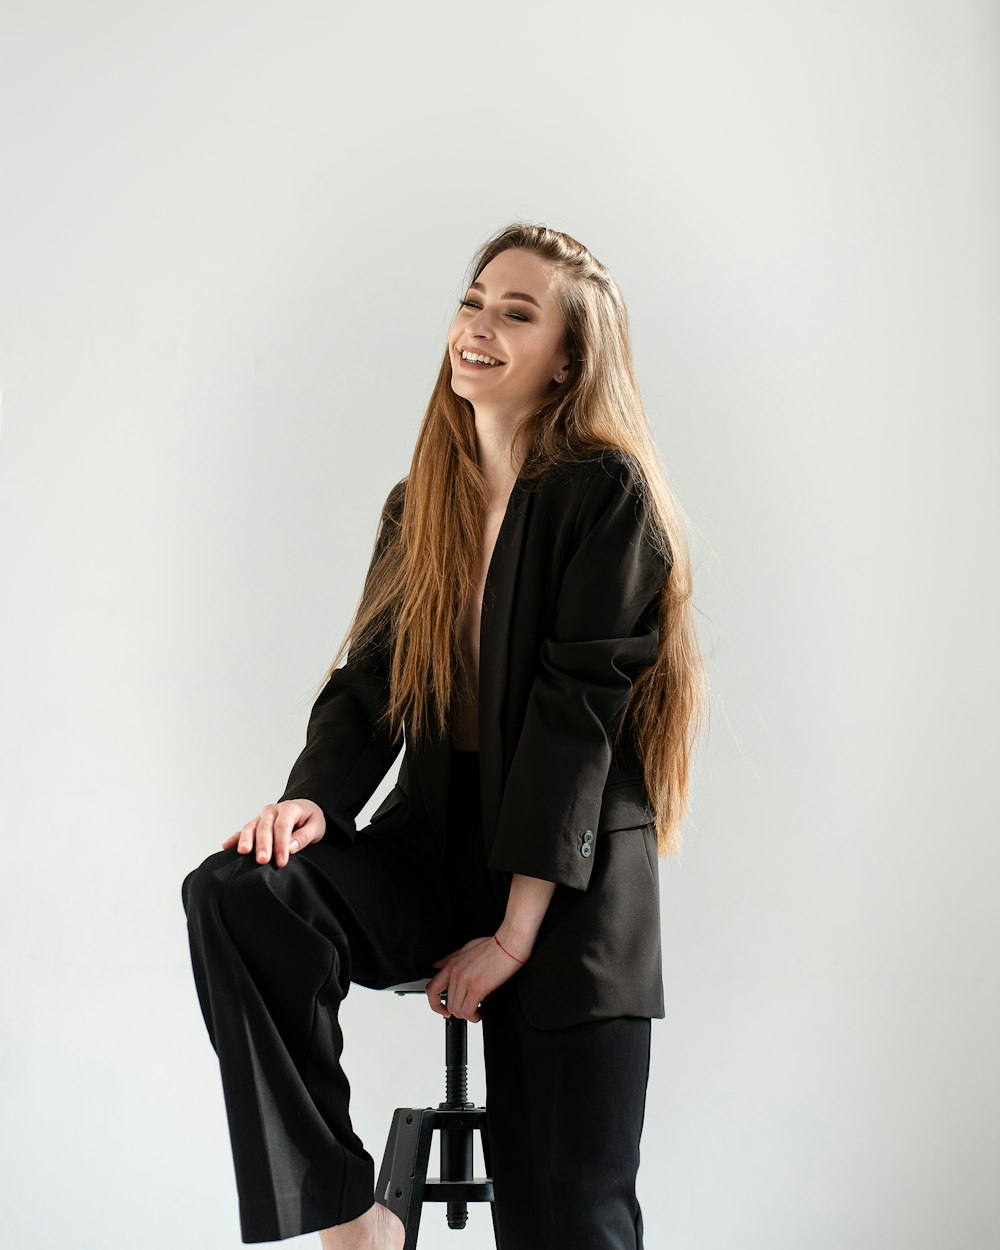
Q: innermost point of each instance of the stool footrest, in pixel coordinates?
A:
(449, 1118)
(479, 1189)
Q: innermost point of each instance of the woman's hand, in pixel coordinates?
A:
(470, 974)
(282, 827)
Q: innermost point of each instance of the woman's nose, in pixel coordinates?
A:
(481, 324)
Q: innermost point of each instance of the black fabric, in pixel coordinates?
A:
(274, 952)
(567, 1180)
(570, 617)
(474, 903)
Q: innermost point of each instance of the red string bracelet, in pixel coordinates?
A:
(505, 950)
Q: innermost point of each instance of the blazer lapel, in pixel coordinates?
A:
(434, 767)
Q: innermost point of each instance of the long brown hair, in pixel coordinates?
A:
(424, 565)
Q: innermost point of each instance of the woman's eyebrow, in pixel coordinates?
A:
(521, 295)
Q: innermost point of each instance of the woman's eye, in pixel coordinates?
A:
(469, 303)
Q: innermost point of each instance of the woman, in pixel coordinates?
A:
(526, 616)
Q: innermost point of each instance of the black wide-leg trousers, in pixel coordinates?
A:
(275, 951)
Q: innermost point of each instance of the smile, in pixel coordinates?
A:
(479, 360)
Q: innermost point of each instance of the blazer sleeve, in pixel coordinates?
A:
(345, 757)
(605, 629)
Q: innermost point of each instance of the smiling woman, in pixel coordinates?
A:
(510, 324)
(525, 633)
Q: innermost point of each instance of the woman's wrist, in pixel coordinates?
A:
(526, 907)
(503, 947)
(517, 942)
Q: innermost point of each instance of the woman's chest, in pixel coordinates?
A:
(472, 611)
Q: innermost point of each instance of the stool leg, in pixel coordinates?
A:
(403, 1176)
(484, 1135)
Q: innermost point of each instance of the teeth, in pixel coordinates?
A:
(486, 360)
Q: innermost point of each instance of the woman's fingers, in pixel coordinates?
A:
(460, 1003)
(274, 831)
(242, 839)
(245, 844)
(265, 837)
(433, 990)
(458, 997)
(287, 839)
(470, 975)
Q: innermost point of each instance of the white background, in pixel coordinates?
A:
(232, 237)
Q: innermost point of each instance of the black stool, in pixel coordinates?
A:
(403, 1185)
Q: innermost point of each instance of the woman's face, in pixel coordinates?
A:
(510, 314)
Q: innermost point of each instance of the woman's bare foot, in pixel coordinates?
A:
(378, 1229)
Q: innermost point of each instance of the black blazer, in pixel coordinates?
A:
(569, 616)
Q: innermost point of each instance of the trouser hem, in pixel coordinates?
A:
(292, 1214)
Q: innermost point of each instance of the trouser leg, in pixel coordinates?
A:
(565, 1109)
(274, 951)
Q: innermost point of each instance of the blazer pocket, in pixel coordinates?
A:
(625, 806)
(394, 799)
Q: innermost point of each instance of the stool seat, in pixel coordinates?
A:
(403, 1184)
(409, 987)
